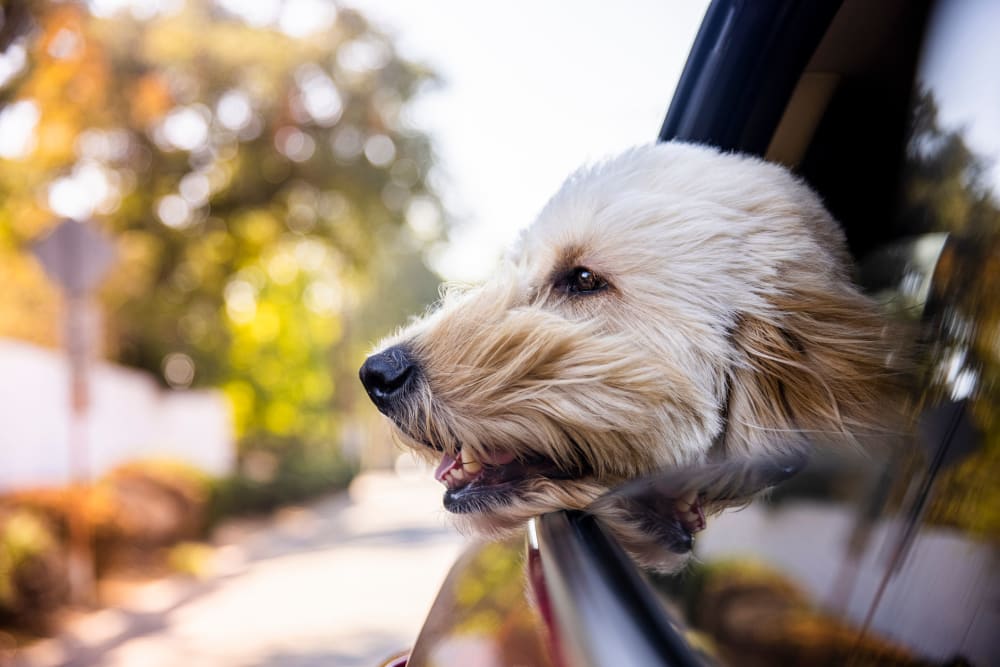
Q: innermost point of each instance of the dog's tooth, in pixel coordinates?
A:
(687, 501)
(469, 464)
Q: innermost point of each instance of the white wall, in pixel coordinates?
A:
(130, 417)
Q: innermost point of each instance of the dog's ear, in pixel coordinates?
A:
(821, 361)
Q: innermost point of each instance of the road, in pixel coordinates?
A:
(345, 582)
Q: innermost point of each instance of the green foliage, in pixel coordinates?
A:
(276, 472)
(148, 504)
(946, 189)
(190, 558)
(22, 538)
(946, 184)
(258, 188)
(31, 576)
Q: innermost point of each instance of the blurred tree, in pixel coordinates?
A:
(945, 182)
(256, 166)
(946, 188)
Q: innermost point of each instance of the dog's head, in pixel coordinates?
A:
(671, 306)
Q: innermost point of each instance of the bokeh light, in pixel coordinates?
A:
(178, 370)
(17, 129)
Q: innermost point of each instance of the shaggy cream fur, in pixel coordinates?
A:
(721, 316)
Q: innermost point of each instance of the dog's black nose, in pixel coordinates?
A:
(385, 374)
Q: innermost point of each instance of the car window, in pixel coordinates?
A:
(894, 122)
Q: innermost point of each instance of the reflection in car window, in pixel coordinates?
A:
(958, 70)
(951, 183)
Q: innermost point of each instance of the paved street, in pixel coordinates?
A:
(343, 582)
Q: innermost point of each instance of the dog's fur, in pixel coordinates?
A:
(729, 319)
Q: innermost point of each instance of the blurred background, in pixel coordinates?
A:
(209, 212)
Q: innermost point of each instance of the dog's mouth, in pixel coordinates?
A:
(477, 485)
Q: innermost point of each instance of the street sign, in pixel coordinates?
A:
(76, 256)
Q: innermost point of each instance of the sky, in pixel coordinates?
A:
(531, 91)
(959, 67)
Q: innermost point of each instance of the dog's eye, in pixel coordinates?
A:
(582, 280)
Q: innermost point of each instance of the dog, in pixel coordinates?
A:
(670, 308)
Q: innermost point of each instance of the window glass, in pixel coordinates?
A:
(892, 561)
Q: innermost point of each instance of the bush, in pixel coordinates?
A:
(275, 472)
(32, 571)
(145, 515)
(193, 559)
(153, 505)
(131, 514)
(58, 506)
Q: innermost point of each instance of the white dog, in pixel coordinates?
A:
(670, 307)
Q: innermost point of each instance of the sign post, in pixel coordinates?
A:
(76, 256)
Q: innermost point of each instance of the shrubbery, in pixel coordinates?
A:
(153, 506)
(277, 471)
(32, 570)
(139, 513)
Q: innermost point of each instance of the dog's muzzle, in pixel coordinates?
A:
(387, 376)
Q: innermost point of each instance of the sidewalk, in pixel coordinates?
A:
(345, 582)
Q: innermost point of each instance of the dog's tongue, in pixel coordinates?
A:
(448, 463)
